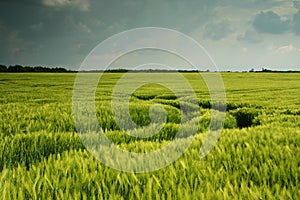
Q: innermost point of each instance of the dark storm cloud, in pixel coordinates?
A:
(296, 19)
(296, 23)
(40, 34)
(55, 32)
(62, 32)
(270, 22)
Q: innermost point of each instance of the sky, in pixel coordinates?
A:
(238, 35)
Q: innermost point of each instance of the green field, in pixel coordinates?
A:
(256, 157)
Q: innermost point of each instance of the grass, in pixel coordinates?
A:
(256, 157)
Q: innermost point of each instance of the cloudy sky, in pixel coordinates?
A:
(239, 35)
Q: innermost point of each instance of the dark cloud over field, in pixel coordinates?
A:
(62, 32)
(270, 22)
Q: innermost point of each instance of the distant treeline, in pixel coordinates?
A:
(277, 71)
(144, 70)
(186, 71)
(20, 68)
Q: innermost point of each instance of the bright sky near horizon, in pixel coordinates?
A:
(239, 35)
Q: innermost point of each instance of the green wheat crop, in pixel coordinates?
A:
(256, 157)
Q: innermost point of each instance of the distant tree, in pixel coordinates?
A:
(28, 69)
(19, 68)
(16, 68)
(39, 69)
(3, 68)
(266, 70)
(251, 70)
(60, 69)
(117, 70)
